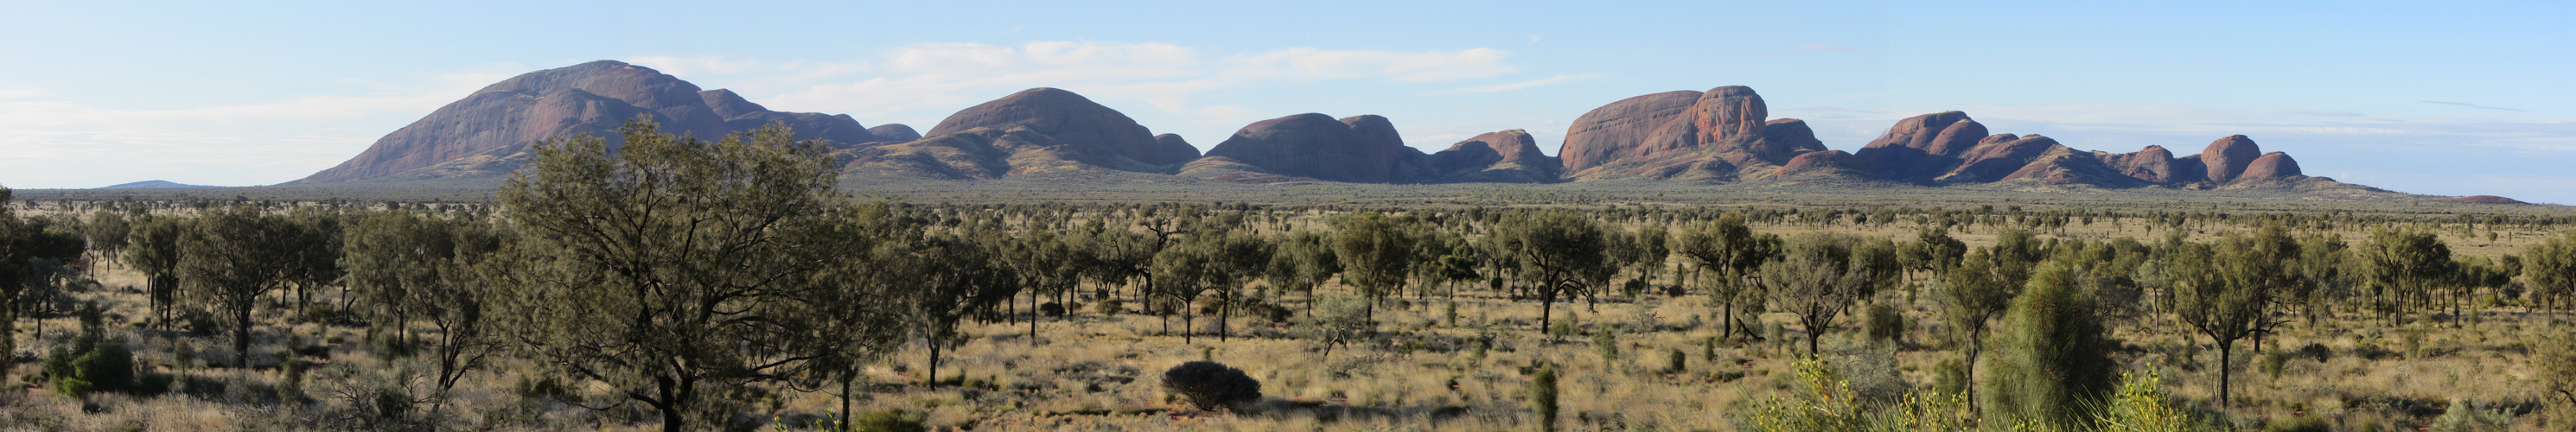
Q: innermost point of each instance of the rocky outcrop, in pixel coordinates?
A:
(1083, 125)
(742, 115)
(487, 133)
(1830, 162)
(1720, 135)
(2228, 157)
(897, 132)
(2272, 166)
(2153, 165)
(1616, 131)
(1510, 156)
(1921, 148)
(1356, 149)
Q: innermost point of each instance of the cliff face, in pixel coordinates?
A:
(1723, 134)
(1943, 148)
(487, 132)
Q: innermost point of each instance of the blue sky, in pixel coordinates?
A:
(2449, 98)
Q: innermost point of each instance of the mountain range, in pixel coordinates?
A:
(1723, 135)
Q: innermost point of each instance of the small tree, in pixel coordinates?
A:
(1542, 397)
(956, 278)
(1734, 252)
(1560, 256)
(2051, 358)
(1822, 275)
(1376, 253)
(2550, 269)
(231, 260)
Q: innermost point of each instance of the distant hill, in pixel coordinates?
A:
(154, 184)
(488, 133)
(1721, 136)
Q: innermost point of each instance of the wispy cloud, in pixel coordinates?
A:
(62, 144)
(1525, 84)
(19, 92)
(1826, 48)
(2471, 105)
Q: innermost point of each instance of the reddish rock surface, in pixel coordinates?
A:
(1922, 148)
(1719, 135)
(1616, 131)
(743, 115)
(2227, 158)
(2274, 165)
(596, 97)
(1829, 161)
(1507, 156)
(894, 132)
(1356, 149)
(2153, 164)
(1997, 158)
(1076, 121)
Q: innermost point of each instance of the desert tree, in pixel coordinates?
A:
(152, 248)
(231, 259)
(1561, 255)
(2226, 291)
(1971, 295)
(31, 251)
(1735, 253)
(950, 279)
(106, 232)
(449, 272)
(673, 266)
(2550, 269)
(2051, 356)
(1303, 260)
(1376, 253)
(1820, 276)
(2404, 267)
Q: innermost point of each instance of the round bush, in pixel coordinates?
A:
(1211, 385)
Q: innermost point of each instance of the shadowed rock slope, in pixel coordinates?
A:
(488, 133)
(1039, 130)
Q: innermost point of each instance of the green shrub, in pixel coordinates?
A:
(1607, 344)
(1884, 322)
(1673, 364)
(1211, 385)
(1542, 390)
(101, 366)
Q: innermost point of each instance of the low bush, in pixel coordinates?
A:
(1211, 385)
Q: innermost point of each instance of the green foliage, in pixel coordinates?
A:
(2050, 354)
(1819, 400)
(722, 262)
(1542, 397)
(2553, 360)
(1561, 255)
(1607, 344)
(1376, 253)
(1210, 385)
(2550, 269)
(1822, 275)
(1884, 323)
(101, 366)
(1731, 252)
(2140, 405)
(2467, 416)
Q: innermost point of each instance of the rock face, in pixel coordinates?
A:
(1829, 162)
(1618, 130)
(1721, 134)
(2228, 157)
(1085, 126)
(1922, 148)
(1510, 156)
(2274, 165)
(487, 133)
(1355, 149)
(897, 132)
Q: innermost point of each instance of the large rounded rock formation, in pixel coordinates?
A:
(1072, 119)
(2227, 158)
(1355, 149)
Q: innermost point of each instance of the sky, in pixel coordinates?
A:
(2443, 98)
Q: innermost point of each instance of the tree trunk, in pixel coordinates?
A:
(1546, 306)
(933, 379)
(241, 337)
(2226, 357)
(844, 425)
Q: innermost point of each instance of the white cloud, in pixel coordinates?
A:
(686, 66)
(19, 92)
(1525, 84)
